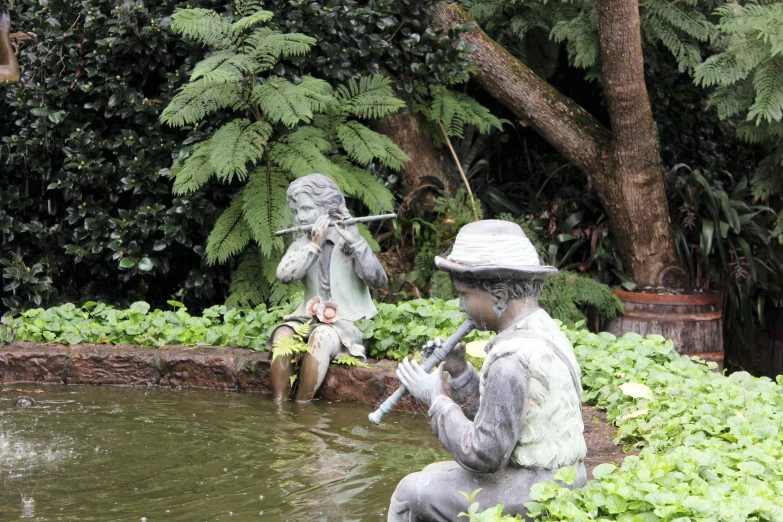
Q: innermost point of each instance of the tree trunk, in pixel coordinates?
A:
(405, 131)
(624, 165)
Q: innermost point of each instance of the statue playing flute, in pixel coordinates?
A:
(338, 268)
(517, 421)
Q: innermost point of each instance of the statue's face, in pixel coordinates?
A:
(305, 211)
(478, 305)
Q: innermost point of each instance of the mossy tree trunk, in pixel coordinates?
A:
(405, 131)
(623, 163)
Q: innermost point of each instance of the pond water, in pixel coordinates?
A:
(108, 453)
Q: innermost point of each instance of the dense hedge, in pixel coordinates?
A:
(85, 210)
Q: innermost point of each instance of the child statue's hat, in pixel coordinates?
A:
(494, 249)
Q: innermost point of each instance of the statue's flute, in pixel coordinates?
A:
(344, 222)
(437, 357)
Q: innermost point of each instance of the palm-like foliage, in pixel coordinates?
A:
(279, 130)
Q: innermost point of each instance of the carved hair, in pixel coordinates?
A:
(324, 193)
(515, 288)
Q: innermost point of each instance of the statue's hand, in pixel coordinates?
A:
(455, 362)
(320, 228)
(426, 387)
(350, 234)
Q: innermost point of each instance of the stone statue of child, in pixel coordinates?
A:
(336, 265)
(519, 420)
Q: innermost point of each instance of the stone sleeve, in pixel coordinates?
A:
(485, 445)
(465, 391)
(297, 260)
(367, 266)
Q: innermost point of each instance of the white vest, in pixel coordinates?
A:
(553, 432)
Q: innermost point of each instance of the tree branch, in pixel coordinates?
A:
(574, 132)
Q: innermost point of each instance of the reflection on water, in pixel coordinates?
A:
(98, 453)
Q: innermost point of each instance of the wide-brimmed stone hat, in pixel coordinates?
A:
(492, 248)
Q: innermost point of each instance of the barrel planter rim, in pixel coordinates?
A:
(705, 298)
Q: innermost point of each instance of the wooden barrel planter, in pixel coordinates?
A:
(693, 321)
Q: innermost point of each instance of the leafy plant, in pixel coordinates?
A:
(279, 130)
(710, 445)
(97, 323)
(398, 330)
(348, 360)
(292, 345)
(727, 243)
(745, 72)
(83, 203)
(567, 294)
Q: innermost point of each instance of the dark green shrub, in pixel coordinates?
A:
(85, 211)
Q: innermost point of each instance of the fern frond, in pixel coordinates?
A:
(302, 153)
(768, 83)
(247, 288)
(364, 186)
(455, 110)
(203, 26)
(364, 145)
(483, 12)
(265, 208)
(731, 101)
(288, 346)
(289, 104)
(303, 330)
(372, 97)
(230, 235)
(194, 101)
(367, 235)
(224, 67)
(236, 144)
(581, 39)
(194, 172)
(348, 360)
(248, 21)
(268, 46)
(732, 65)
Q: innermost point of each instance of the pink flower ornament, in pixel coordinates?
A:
(312, 305)
(328, 312)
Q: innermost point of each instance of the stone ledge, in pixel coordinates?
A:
(182, 366)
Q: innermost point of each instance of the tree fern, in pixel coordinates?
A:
(267, 46)
(747, 71)
(455, 110)
(274, 130)
(246, 287)
(265, 209)
(230, 235)
(567, 294)
(200, 99)
(371, 97)
(192, 173)
(236, 144)
(203, 26)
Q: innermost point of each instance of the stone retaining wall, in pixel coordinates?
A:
(199, 367)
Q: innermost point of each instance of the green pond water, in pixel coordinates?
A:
(110, 453)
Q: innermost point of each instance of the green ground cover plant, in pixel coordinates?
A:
(711, 446)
